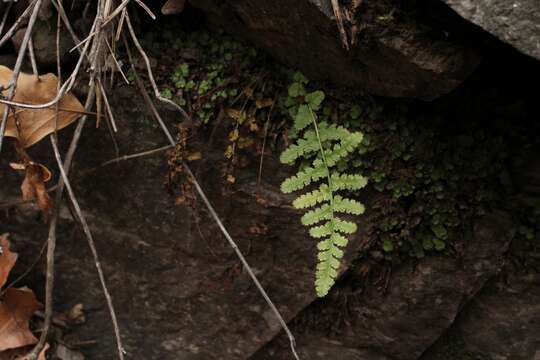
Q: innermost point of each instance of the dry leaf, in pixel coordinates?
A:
(16, 309)
(76, 314)
(33, 186)
(7, 259)
(36, 124)
(238, 115)
(234, 135)
(264, 103)
(194, 156)
(18, 354)
(173, 7)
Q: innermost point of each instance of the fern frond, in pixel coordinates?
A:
(346, 227)
(322, 230)
(326, 146)
(317, 215)
(329, 257)
(348, 206)
(347, 181)
(302, 118)
(304, 177)
(343, 148)
(313, 198)
(301, 149)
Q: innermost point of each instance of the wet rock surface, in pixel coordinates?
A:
(179, 290)
(421, 302)
(393, 56)
(514, 22)
(503, 321)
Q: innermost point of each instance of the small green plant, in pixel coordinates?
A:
(322, 148)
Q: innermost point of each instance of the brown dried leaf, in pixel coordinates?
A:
(19, 354)
(173, 7)
(7, 259)
(16, 309)
(33, 186)
(264, 103)
(36, 124)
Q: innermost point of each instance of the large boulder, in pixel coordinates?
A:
(394, 54)
(516, 22)
(421, 303)
(504, 320)
(180, 292)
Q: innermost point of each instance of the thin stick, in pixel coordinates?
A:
(132, 156)
(17, 68)
(210, 208)
(26, 272)
(150, 73)
(4, 17)
(33, 61)
(92, 246)
(51, 238)
(9, 34)
(339, 21)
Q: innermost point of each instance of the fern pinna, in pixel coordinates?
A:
(324, 150)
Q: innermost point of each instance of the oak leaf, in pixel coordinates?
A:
(173, 7)
(33, 186)
(35, 124)
(16, 309)
(19, 354)
(7, 259)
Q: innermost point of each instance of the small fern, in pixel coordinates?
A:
(322, 147)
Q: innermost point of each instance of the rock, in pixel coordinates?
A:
(422, 301)
(515, 22)
(8, 60)
(392, 56)
(326, 350)
(44, 40)
(178, 288)
(503, 321)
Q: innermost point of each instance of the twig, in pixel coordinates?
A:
(150, 73)
(266, 125)
(339, 21)
(210, 208)
(4, 17)
(26, 272)
(12, 85)
(51, 238)
(92, 246)
(9, 34)
(132, 156)
(33, 61)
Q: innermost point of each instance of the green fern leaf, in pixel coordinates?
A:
(347, 181)
(325, 146)
(317, 215)
(344, 226)
(315, 100)
(341, 150)
(303, 178)
(313, 198)
(300, 150)
(348, 206)
(302, 118)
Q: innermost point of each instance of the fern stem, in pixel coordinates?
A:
(330, 187)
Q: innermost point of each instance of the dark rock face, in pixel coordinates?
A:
(179, 290)
(504, 320)
(392, 57)
(421, 302)
(516, 22)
